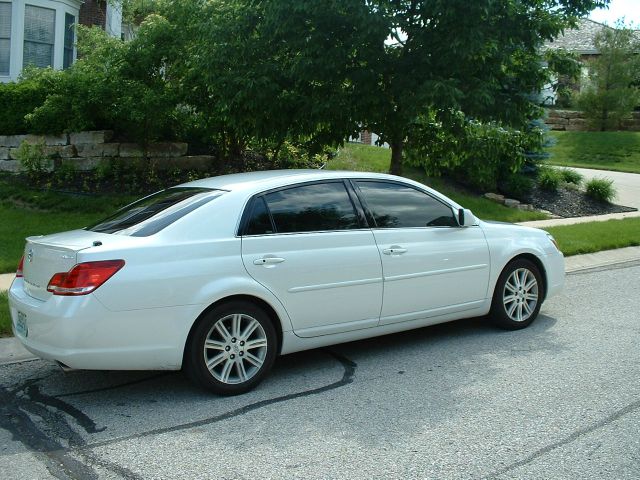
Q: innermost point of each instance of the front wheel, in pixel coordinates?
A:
(232, 348)
(518, 295)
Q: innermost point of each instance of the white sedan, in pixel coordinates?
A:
(219, 276)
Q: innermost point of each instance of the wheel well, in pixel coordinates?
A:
(536, 261)
(273, 316)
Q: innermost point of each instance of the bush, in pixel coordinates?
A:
(571, 176)
(34, 161)
(475, 153)
(549, 179)
(21, 98)
(601, 189)
(517, 186)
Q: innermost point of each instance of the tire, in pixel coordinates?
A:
(518, 295)
(232, 348)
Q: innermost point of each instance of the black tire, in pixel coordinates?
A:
(513, 310)
(234, 359)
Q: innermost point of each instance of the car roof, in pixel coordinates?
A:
(255, 182)
(277, 178)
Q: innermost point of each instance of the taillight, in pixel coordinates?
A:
(19, 271)
(83, 278)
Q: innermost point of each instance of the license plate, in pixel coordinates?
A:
(21, 325)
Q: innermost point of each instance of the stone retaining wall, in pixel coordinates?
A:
(86, 150)
(574, 121)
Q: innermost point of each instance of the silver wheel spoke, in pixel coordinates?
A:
(512, 309)
(531, 296)
(527, 308)
(251, 358)
(249, 329)
(215, 361)
(242, 373)
(223, 330)
(214, 345)
(224, 376)
(235, 325)
(251, 344)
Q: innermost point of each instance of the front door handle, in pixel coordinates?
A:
(268, 261)
(394, 250)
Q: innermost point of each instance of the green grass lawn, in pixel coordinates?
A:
(5, 318)
(596, 236)
(25, 212)
(364, 158)
(600, 150)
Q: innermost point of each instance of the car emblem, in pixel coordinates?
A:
(30, 255)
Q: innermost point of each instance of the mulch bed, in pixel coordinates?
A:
(567, 202)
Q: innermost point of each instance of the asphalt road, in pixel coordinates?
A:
(559, 400)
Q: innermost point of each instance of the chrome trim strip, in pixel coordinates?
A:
(324, 286)
(435, 272)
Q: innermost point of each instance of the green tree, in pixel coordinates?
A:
(401, 58)
(612, 89)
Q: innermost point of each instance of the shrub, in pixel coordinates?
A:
(476, 153)
(601, 189)
(571, 176)
(517, 186)
(34, 160)
(549, 179)
(18, 99)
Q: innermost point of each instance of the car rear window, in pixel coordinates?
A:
(151, 214)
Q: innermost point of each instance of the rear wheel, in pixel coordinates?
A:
(232, 348)
(518, 295)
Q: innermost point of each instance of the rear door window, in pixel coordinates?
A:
(155, 212)
(306, 208)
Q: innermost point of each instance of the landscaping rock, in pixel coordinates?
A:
(98, 149)
(12, 166)
(494, 197)
(83, 164)
(131, 150)
(65, 151)
(167, 149)
(199, 163)
(95, 136)
(525, 206)
(511, 203)
(11, 140)
(4, 153)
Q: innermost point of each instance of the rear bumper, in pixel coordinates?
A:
(81, 333)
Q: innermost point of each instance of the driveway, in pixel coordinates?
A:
(559, 400)
(627, 184)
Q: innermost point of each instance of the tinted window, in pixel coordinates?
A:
(396, 206)
(308, 208)
(260, 221)
(155, 212)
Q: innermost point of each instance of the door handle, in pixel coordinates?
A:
(268, 261)
(394, 250)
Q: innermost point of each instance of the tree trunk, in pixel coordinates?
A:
(396, 157)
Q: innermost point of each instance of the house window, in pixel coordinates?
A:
(5, 37)
(39, 32)
(69, 31)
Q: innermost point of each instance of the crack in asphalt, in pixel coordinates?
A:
(567, 440)
(115, 387)
(347, 378)
(38, 421)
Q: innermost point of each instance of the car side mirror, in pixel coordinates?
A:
(466, 218)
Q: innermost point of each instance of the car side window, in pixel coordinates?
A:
(394, 205)
(260, 221)
(308, 208)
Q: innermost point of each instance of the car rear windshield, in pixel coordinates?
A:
(151, 214)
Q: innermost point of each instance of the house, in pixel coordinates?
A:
(42, 33)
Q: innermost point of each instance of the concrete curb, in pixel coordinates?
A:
(12, 351)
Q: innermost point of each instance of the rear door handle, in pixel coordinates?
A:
(268, 261)
(394, 250)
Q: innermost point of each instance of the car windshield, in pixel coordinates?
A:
(151, 214)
